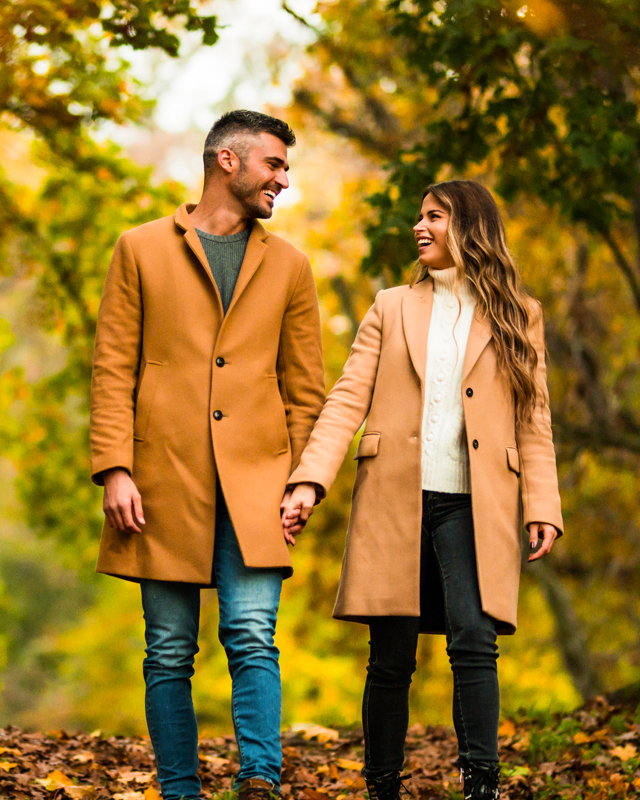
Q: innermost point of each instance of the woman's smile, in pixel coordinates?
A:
(430, 232)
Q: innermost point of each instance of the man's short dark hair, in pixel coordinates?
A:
(231, 128)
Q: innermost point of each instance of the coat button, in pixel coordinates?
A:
(220, 361)
(217, 415)
(469, 392)
(475, 443)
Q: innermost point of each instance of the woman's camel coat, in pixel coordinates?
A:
(184, 396)
(383, 382)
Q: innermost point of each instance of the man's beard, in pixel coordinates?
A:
(248, 193)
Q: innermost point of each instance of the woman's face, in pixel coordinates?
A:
(431, 235)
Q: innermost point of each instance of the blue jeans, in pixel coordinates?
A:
(248, 601)
(447, 537)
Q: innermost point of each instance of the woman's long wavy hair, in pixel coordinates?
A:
(477, 243)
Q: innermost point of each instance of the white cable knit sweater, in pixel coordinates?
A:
(445, 460)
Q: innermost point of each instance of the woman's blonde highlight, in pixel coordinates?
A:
(477, 242)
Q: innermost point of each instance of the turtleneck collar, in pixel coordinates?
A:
(444, 281)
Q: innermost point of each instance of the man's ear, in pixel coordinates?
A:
(227, 159)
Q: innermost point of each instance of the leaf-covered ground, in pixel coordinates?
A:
(592, 754)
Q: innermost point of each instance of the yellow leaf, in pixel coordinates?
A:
(13, 750)
(87, 792)
(5, 766)
(344, 763)
(56, 775)
(215, 762)
(624, 753)
(507, 728)
(129, 776)
(581, 738)
(323, 769)
(152, 794)
(316, 732)
(55, 780)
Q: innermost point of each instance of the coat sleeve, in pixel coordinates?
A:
(300, 368)
(115, 365)
(346, 407)
(538, 473)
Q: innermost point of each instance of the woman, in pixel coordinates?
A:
(456, 455)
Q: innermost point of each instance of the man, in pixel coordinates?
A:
(207, 381)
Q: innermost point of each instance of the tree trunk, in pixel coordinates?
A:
(571, 636)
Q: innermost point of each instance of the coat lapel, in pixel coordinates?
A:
(192, 239)
(256, 249)
(416, 317)
(479, 338)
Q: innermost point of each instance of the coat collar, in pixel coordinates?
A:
(417, 305)
(256, 249)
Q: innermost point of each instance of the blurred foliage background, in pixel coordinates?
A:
(540, 101)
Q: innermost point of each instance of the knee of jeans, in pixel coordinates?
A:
(395, 668)
(249, 636)
(476, 637)
(175, 653)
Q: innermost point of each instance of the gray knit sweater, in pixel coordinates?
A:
(225, 255)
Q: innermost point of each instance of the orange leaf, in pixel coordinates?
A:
(624, 753)
(507, 728)
(5, 766)
(152, 794)
(56, 775)
(581, 738)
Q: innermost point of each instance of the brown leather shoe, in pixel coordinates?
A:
(257, 789)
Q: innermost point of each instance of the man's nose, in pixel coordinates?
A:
(282, 180)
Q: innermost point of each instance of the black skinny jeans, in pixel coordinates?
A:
(447, 533)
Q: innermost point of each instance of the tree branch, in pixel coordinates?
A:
(298, 18)
(336, 123)
(624, 265)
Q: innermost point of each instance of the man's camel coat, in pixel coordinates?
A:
(183, 397)
(383, 382)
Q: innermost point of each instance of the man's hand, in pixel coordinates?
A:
(122, 503)
(548, 534)
(296, 508)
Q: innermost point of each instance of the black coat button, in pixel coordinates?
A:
(217, 415)
(220, 361)
(469, 392)
(475, 443)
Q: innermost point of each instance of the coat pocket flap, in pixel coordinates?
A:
(144, 399)
(513, 459)
(368, 446)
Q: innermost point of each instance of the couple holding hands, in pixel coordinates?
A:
(208, 404)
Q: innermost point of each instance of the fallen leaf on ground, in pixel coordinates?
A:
(316, 732)
(507, 728)
(344, 763)
(624, 753)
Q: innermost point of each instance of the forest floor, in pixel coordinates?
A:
(592, 754)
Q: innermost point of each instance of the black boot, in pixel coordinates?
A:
(481, 781)
(387, 786)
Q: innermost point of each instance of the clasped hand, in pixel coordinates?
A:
(296, 508)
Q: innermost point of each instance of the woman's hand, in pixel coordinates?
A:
(296, 508)
(544, 531)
